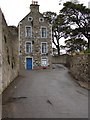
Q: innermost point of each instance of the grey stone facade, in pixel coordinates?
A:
(9, 62)
(36, 21)
(80, 67)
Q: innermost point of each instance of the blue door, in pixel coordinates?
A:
(28, 63)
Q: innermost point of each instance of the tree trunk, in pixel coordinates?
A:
(88, 43)
(58, 49)
(58, 45)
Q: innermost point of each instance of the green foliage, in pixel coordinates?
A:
(75, 45)
(87, 51)
(77, 19)
(51, 16)
(73, 23)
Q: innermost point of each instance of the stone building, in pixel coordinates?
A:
(35, 40)
(9, 62)
(89, 4)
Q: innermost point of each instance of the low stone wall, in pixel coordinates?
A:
(80, 67)
(59, 59)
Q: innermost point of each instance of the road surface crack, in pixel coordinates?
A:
(13, 99)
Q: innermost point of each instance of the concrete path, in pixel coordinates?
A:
(45, 94)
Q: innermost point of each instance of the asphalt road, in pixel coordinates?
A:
(45, 94)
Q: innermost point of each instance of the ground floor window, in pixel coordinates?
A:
(44, 61)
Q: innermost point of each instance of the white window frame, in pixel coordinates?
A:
(41, 31)
(26, 47)
(40, 19)
(25, 61)
(26, 31)
(46, 48)
(46, 61)
(29, 19)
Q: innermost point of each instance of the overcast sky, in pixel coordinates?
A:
(15, 10)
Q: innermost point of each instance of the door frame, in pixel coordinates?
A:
(26, 61)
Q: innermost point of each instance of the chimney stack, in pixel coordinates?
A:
(34, 6)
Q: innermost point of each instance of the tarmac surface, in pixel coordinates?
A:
(47, 93)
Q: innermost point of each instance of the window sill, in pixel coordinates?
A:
(43, 37)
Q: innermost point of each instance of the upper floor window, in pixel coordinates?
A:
(43, 32)
(30, 19)
(41, 19)
(44, 48)
(28, 47)
(28, 31)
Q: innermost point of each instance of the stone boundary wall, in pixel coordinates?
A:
(9, 68)
(62, 59)
(0, 51)
(80, 67)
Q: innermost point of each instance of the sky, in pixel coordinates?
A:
(15, 10)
